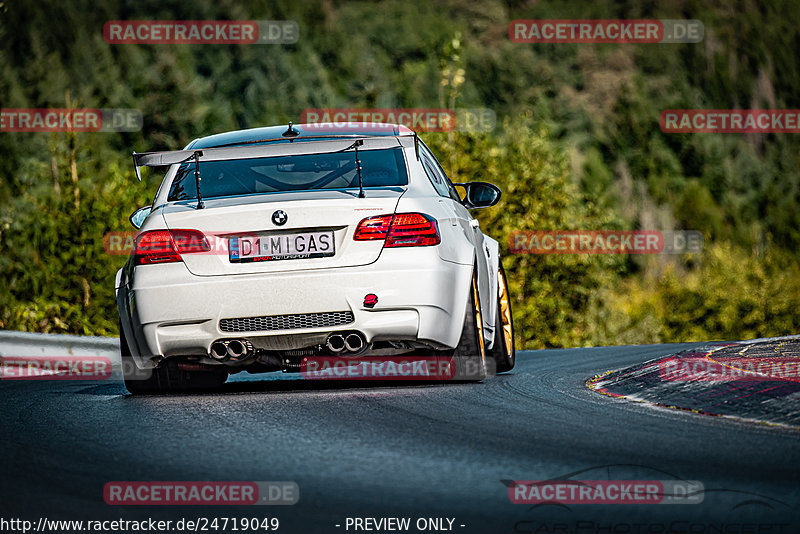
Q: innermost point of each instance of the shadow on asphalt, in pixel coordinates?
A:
(281, 385)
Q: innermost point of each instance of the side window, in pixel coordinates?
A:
(433, 176)
(436, 174)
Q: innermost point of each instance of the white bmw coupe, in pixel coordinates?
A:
(270, 245)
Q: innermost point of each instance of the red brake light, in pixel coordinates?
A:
(400, 230)
(413, 230)
(373, 228)
(166, 246)
(189, 241)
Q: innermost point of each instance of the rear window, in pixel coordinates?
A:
(379, 168)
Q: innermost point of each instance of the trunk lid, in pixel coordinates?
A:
(251, 217)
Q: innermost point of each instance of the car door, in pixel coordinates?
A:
(468, 224)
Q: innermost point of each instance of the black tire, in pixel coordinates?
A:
(503, 352)
(166, 378)
(470, 353)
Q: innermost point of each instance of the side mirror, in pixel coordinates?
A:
(137, 217)
(480, 194)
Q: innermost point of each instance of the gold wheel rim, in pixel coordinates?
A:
(478, 318)
(505, 313)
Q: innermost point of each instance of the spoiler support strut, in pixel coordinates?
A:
(197, 178)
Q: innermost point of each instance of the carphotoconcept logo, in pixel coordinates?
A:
(70, 120)
(201, 493)
(418, 119)
(201, 32)
(626, 485)
(606, 31)
(730, 121)
(55, 368)
(604, 242)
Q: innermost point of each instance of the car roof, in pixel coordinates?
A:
(323, 130)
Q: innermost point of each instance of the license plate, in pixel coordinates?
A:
(281, 247)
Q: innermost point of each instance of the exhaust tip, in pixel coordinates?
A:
(335, 343)
(219, 351)
(237, 350)
(354, 342)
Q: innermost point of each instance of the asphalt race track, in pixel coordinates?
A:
(399, 450)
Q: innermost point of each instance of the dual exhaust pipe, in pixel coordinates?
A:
(233, 349)
(352, 342)
(239, 349)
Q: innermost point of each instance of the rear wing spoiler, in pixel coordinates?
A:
(250, 149)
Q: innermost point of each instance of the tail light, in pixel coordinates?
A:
(400, 230)
(373, 228)
(166, 246)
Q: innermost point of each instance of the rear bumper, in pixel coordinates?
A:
(171, 312)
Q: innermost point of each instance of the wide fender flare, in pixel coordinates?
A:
(490, 313)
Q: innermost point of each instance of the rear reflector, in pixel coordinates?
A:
(399, 230)
(166, 246)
